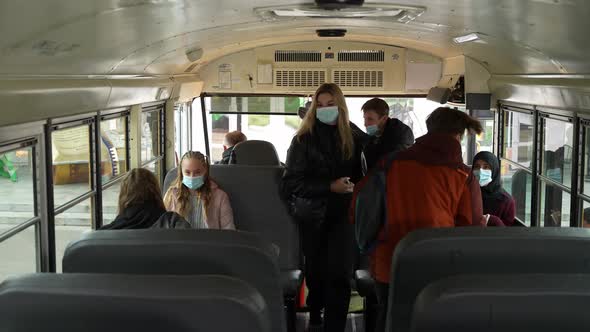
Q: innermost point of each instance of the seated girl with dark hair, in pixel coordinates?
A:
(141, 204)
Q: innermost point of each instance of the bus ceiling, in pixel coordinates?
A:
(109, 47)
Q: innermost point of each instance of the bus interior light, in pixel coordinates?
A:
(400, 13)
(466, 38)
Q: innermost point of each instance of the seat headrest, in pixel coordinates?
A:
(256, 153)
(97, 303)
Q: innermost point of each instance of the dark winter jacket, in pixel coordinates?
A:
(396, 136)
(314, 161)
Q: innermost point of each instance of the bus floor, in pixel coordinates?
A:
(355, 322)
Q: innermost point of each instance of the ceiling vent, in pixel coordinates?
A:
(299, 78)
(358, 78)
(298, 56)
(361, 56)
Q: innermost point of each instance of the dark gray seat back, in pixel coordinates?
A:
(182, 252)
(98, 303)
(257, 153)
(529, 302)
(428, 255)
(258, 208)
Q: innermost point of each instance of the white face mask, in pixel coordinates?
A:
(327, 115)
(484, 176)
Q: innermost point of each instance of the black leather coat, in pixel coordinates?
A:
(314, 161)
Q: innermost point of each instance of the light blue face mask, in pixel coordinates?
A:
(327, 115)
(554, 174)
(484, 176)
(193, 183)
(372, 130)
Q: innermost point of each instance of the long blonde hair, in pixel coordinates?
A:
(183, 194)
(344, 130)
(140, 187)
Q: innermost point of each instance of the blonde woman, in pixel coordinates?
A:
(323, 163)
(196, 197)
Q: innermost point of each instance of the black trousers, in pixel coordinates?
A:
(382, 291)
(328, 269)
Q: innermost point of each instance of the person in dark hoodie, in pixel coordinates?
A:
(428, 186)
(323, 162)
(141, 204)
(497, 203)
(386, 134)
(232, 139)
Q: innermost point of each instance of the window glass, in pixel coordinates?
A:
(197, 132)
(71, 163)
(150, 132)
(110, 203)
(154, 167)
(113, 148)
(586, 170)
(518, 183)
(181, 129)
(280, 129)
(555, 206)
(16, 186)
(18, 254)
(557, 151)
(485, 141)
(518, 137)
(69, 226)
(585, 214)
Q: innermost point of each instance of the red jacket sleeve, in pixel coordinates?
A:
(470, 211)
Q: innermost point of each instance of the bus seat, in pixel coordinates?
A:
(257, 206)
(182, 252)
(255, 152)
(98, 303)
(427, 255)
(522, 302)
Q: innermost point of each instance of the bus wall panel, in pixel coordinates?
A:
(238, 72)
(31, 100)
(558, 91)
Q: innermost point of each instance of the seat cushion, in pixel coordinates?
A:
(365, 284)
(291, 281)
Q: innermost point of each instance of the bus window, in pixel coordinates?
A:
(16, 180)
(555, 206)
(485, 141)
(518, 138)
(585, 216)
(150, 131)
(278, 127)
(517, 181)
(182, 128)
(586, 168)
(110, 202)
(557, 151)
(197, 128)
(18, 254)
(69, 226)
(71, 163)
(113, 148)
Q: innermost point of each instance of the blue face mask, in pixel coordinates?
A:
(554, 174)
(327, 115)
(193, 183)
(484, 176)
(372, 130)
